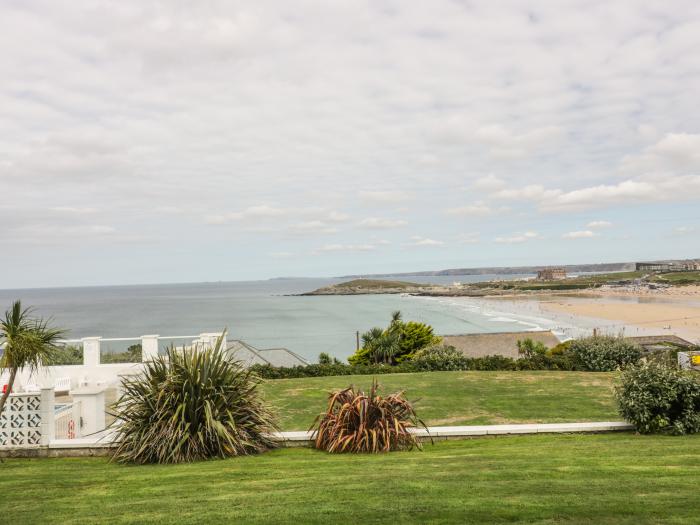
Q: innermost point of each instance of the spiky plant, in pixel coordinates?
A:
(359, 422)
(29, 343)
(190, 405)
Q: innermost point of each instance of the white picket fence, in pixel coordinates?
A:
(67, 421)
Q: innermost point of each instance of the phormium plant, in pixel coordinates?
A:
(359, 422)
(190, 405)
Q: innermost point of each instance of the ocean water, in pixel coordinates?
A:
(262, 313)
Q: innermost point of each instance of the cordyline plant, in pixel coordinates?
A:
(191, 404)
(28, 343)
(359, 422)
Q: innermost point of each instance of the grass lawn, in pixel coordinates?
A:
(462, 398)
(601, 479)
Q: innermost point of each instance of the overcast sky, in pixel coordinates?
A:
(164, 142)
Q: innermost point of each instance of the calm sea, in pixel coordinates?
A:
(258, 312)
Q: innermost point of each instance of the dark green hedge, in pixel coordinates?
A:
(493, 362)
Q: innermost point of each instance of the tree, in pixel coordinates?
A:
(29, 343)
(397, 343)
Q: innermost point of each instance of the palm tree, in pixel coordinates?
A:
(29, 343)
(382, 344)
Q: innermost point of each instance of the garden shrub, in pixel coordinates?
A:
(529, 348)
(657, 398)
(413, 336)
(395, 344)
(604, 353)
(561, 348)
(359, 422)
(440, 357)
(324, 358)
(66, 355)
(433, 362)
(190, 405)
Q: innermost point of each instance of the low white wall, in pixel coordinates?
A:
(91, 373)
(80, 375)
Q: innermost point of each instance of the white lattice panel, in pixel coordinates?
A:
(20, 421)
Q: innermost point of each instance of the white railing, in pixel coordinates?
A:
(67, 421)
(151, 345)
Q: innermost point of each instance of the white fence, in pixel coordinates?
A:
(21, 421)
(93, 372)
(34, 420)
(68, 421)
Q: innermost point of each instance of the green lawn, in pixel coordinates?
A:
(462, 398)
(601, 479)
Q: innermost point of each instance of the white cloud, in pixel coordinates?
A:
(599, 224)
(73, 210)
(656, 189)
(345, 248)
(500, 140)
(517, 238)
(311, 228)
(243, 113)
(583, 234)
(417, 241)
(532, 192)
(281, 255)
(378, 223)
(684, 230)
(674, 152)
(269, 213)
(478, 209)
(489, 183)
(468, 238)
(383, 197)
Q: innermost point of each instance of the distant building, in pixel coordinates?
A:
(551, 274)
(653, 267)
(682, 266)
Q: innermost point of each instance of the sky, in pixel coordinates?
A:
(145, 141)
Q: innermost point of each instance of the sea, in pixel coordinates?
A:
(265, 314)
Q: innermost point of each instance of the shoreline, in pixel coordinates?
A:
(571, 315)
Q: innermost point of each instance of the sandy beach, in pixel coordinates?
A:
(679, 319)
(674, 311)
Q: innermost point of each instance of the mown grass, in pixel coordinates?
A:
(601, 479)
(462, 398)
(678, 278)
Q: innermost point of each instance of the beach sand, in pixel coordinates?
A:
(676, 315)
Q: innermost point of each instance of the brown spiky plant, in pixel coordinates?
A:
(359, 422)
(191, 404)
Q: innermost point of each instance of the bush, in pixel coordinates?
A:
(190, 405)
(325, 359)
(433, 362)
(414, 336)
(657, 398)
(561, 348)
(133, 354)
(440, 357)
(358, 422)
(604, 353)
(529, 348)
(66, 355)
(395, 344)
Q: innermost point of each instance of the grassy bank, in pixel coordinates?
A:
(606, 478)
(462, 398)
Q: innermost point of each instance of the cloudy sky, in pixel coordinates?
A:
(145, 141)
